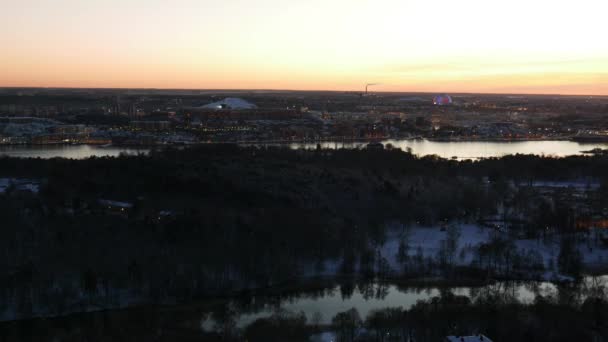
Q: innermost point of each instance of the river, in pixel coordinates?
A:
(458, 149)
(366, 297)
(66, 151)
(197, 319)
(473, 149)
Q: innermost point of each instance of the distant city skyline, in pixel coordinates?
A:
(473, 46)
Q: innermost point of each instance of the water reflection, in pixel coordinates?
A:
(67, 151)
(472, 149)
(367, 296)
(458, 149)
(223, 319)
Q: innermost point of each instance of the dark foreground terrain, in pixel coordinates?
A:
(179, 226)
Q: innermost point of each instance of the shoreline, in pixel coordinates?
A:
(336, 140)
(302, 286)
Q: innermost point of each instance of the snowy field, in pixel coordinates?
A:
(20, 184)
(471, 236)
(429, 240)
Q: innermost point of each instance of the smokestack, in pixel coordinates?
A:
(369, 85)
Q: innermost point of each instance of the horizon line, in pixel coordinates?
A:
(301, 90)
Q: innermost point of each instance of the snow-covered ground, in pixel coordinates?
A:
(429, 241)
(471, 236)
(327, 336)
(20, 184)
(581, 184)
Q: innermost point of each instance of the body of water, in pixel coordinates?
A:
(444, 149)
(196, 319)
(473, 149)
(66, 151)
(366, 297)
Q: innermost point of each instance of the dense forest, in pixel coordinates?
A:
(188, 223)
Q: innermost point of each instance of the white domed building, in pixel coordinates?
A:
(230, 103)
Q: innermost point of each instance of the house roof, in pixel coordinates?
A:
(117, 204)
(473, 338)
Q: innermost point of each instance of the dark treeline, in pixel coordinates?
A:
(219, 218)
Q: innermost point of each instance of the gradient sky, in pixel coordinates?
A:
(516, 46)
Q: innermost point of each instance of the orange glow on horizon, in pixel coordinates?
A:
(468, 46)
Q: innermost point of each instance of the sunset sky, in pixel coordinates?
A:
(515, 46)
